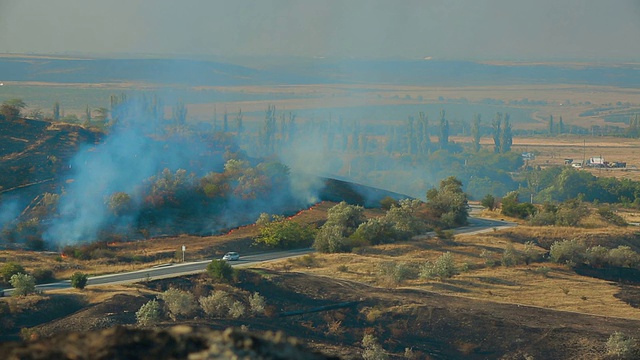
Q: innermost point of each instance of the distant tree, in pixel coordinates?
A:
(511, 206)
(87, 116)
(411, 140)
(79, 280)
(444, 130)
(102, 114)
(12, 109)
(225, 122)
(180, 113)
(560, 126)
(449, 203)
(475, 132)
(120, 203)
(9, 269)
(23, 284)
(425, 141)
(239, 125)
(506, 136)
(388, 202)
(551, 125)
(36, 114)
(496, 125)
(284, 233)
(489, 202)
(56, 111)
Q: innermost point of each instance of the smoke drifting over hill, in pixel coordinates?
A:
(143, 161)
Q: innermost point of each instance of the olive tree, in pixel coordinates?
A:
(23, 284)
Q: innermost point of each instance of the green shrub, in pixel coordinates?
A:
(621, 346)
(257, 303)
(488, 202)
(597, 256)
(149, 313)
(511, 206)
(9, 269)
(285, 233)
(388, 202)
(395, 273)
(444, 267)
(23, 284)
(79, 280)
(509, 256)
(237, 309)
(217, 304)
(179, 302)
(43, 276)
(220, 270)
(624, 256)
(568, 251)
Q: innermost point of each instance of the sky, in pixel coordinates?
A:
(413, 29)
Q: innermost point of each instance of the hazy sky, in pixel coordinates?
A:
(470, 29)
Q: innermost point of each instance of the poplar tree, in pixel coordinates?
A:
(444, 131)
(475, 132)
(496, 125)
(506, 137)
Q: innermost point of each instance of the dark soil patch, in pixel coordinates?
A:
(47, 309)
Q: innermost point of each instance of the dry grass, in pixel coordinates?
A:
(546, 285)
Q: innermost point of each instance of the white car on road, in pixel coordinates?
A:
(231, 256)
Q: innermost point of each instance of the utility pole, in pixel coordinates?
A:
(183, 250)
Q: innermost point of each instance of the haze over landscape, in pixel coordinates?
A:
(462, 30)
(388, 179)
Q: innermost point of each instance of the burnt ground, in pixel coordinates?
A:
(435, 326)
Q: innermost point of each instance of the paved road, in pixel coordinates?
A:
(170, 270)
(476, 225)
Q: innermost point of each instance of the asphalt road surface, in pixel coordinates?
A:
(476, 225)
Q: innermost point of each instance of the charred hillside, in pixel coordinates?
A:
(34, 154)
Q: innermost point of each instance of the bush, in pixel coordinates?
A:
(149, 313)
(609, 215)
(331, 239)
(23, 284)
(511, 206)
(509, 256)
(597, 256)
(179, 302)
(388, 202)
(237, 309)
(444, 267)
(221, 270)
(568, 251)
(257, 303)
(624, 256)
(372, 349)
(217, 304)
(621, 346)
(9, 269)
(79, 280)
(395, 273)
(284, 233)
(530, 253)
(488, 202)
(43, 276)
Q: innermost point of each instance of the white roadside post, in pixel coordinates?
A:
(183, 249)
